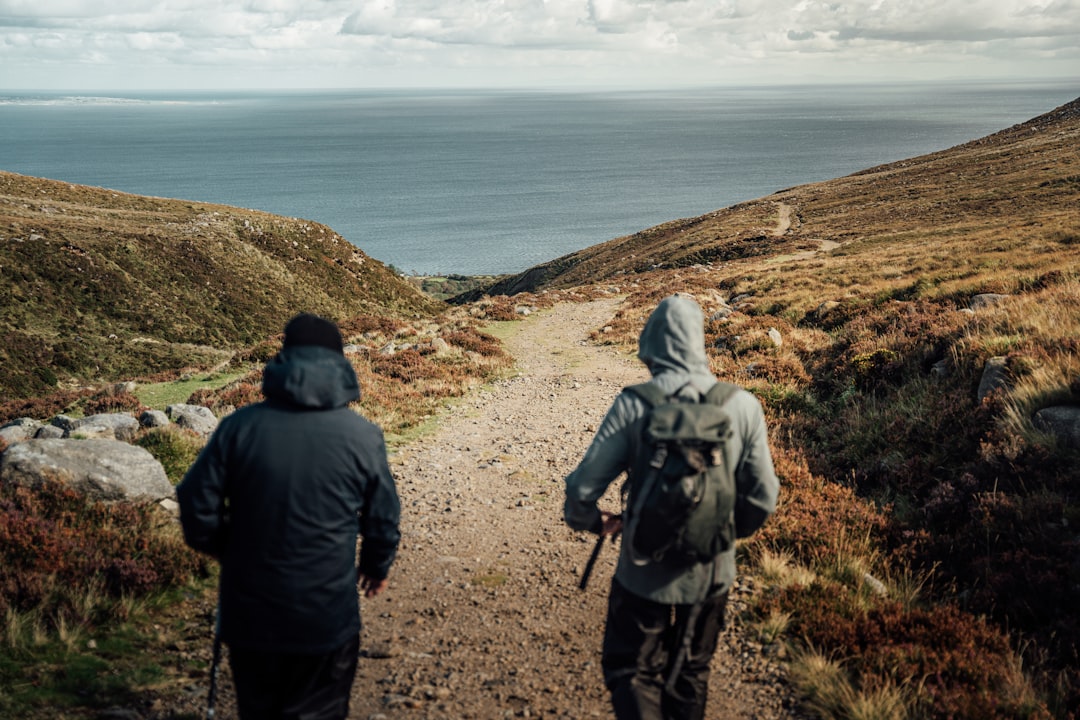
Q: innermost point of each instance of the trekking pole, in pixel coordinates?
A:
(215, 662)
(592, 561)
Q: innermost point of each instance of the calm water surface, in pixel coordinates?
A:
(492, 182)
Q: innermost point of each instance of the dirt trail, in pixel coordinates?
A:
(483, 618)
(783, 221)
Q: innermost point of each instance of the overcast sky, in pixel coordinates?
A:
(210, 44)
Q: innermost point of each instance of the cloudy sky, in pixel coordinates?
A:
(205, 44)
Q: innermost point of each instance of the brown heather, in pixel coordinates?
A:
(892, 471)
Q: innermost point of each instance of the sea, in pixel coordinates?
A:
(478, 182)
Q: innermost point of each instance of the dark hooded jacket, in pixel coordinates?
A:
(672, 345)
(280, 494)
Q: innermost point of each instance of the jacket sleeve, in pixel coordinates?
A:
(379, 519)
(606, 458)
(756, 483)
(201, 494)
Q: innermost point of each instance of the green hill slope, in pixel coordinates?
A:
(102, 285)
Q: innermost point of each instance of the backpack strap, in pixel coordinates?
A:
(648, 392)
(720, 393)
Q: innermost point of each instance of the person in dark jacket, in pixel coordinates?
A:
(280, 495)
(658, 610)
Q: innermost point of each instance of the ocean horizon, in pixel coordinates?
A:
(490, 182)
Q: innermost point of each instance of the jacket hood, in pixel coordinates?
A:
(310, 376)
(673, 339)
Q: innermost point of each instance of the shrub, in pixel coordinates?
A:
(54, 541)
(111, 402)
(472, 340)
(175, 448)
(965, 666)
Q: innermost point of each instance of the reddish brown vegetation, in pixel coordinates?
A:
(54, 541)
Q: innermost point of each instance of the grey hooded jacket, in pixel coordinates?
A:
(280, 494)
(672, 345)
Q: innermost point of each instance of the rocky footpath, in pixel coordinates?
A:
(484, 618)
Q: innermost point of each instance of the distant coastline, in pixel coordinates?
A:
(493, 182)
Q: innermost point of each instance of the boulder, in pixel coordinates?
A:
(1061, 421)
(19, 430)
(196, 418)
(721, 314)
(775, 336)
(49, 432)
(986, 300)
(64, 422)
(154, 419)
(107, 426)
(995, 376)
(102, 469)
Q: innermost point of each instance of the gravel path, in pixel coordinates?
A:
(483, 617)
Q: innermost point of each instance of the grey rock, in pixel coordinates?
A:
(1061, 421)
(776, 337)
(16, 433)
(109, 426)
(154, 419)
(876, 586)
(12, 435)
(30, 424)
(102, 469)
(721, 314)
(64, 422)
(49, 433)
(985, 300)
(995, 376)
(196, 418)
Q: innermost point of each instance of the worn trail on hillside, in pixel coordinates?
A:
(483, 617)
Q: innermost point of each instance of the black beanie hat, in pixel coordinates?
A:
(308, 329)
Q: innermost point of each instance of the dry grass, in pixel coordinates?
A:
(831, 694)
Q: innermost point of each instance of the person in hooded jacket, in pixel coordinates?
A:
(280, 495)
(658, 610)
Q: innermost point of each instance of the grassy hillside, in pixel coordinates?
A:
(101, 285)
(1015, 191)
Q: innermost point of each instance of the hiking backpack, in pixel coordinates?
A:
(681, 491)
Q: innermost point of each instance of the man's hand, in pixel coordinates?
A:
(371, 586)
(610, 523)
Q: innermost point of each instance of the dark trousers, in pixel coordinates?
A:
(289, 686)
(642, 644)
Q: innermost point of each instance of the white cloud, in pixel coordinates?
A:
(552, 41)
